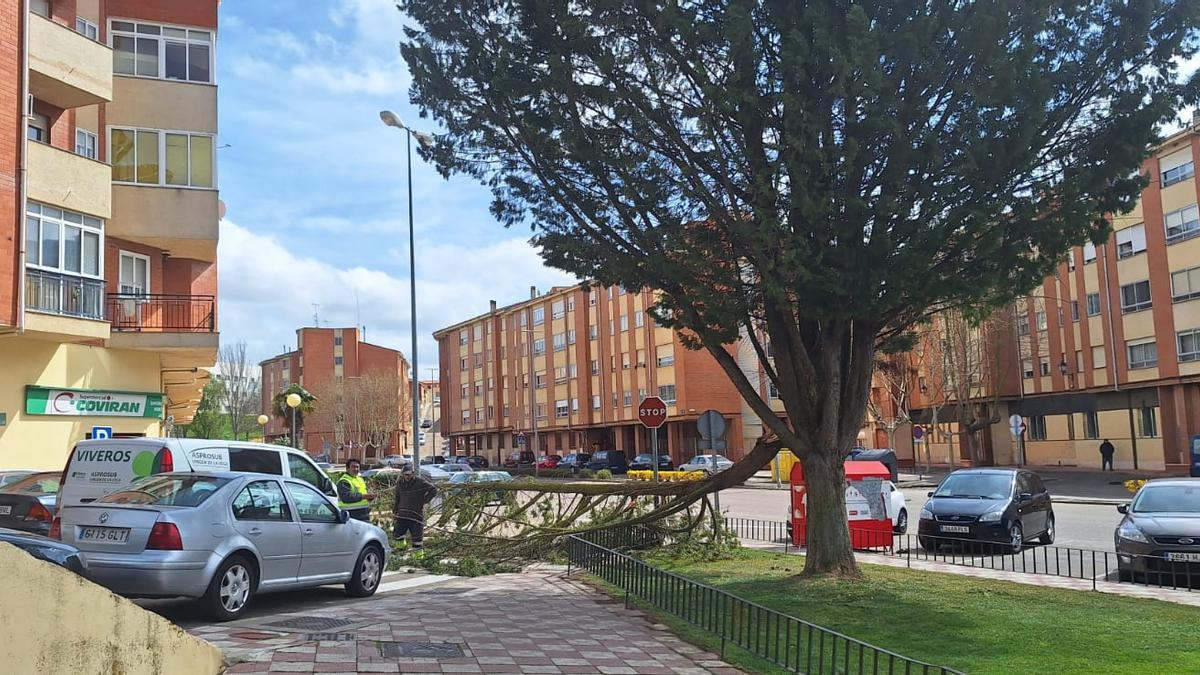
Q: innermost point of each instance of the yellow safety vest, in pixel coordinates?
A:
(360, 486)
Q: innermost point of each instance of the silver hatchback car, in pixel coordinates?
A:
(223, 537)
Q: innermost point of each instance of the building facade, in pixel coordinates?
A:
(1109, 346)
(363, 395)
(109, 215)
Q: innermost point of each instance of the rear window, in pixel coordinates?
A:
(37, 484)
(167, 491)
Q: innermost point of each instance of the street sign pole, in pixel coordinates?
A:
(654, 451)
(652, 413)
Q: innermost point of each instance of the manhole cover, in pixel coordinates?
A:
(311, 623)
(446, 591)
(421, 650)
(330, 637)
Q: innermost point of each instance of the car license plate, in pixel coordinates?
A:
(117, 535)
(956, 528)
(5, 510)
(1182, 557)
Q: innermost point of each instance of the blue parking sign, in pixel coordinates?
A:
(101, 432)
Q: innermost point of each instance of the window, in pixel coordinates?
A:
(134, 275)
(1044, 365)
(1135, 297)
(1037, 428)
(63, 241)
(558, 309)
(593, 332)
(86, 28)
(311, 505)
(40, 7)
(1147, 423)
(1142, 355)
(615, 400)
(772, 390)
(462, 363)
(301, 469)
(571, 336)
(574, 405)
(462, 338)
(595, 367)
(641, 358)
(1089, 253)
(1074, 310)
(1131, 241)
(337, 360)
(593, 295)
(466, 417)
(639, 319)
(1098, 357)
(1041, 321)
(1182, 224)
(254, 460)
(479, 414)
(572, 371)
(539, 316)
(150, 50)
(667, 393)
(1093, 304)
(1079, 360)
(1185, 284)
(478, 331)
(1176, 174)
(262, 500)
(596, 402)
(539, 346)
(465, 391)
(624, 322)
(1071, 260)
(561, 408)
(628, 398)
(560, 375)
(664, 355)
(479, 387)
(560, 341)
(625, 361)
(1027, 369)
(571, 304)
(1022, 325)
(539, 380)
(85, 143)
(137, 157)
(491, 383)
(541, 411)
(1189, 345)
(38, 128)
(1091, 425)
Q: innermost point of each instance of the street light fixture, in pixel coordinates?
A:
(293, 402)
(425, 140)
(262, 422)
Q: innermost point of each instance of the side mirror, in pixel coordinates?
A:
(1025, 497)
(343, 516)
(1122, 508)
(929, 494)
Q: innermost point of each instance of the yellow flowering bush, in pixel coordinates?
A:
(668, 475)
(1135, 484)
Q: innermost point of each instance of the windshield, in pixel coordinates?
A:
(643, 458)
(37, 484)
(976, 486)
(1168, 499)
(167, 491)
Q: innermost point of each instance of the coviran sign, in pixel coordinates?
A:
(92, 403)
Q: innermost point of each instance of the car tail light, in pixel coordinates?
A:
(38, 513)
(55, 528)
(168, 461)
(165, 537)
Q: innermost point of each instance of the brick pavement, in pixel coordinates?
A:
(535, 622)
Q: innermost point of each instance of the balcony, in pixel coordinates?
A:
(181, 221)
(69, 181)
(66, 69)
(64, 307)
(163, 322)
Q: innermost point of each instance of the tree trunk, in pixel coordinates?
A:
(828, 531)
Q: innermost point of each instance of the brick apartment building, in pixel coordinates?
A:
(345, 373)
(1108, 346)
(108, 219)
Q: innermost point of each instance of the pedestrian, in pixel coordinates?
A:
(413, 492)
(353, 495)
(1106, 455)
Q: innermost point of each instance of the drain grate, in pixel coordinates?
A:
(421, 650)
(311, 623)
(330, 637)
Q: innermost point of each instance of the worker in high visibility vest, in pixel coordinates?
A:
(352, 492)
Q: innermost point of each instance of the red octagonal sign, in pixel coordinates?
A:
(652, 412)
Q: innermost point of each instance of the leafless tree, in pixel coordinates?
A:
(241, 388)
(973, 372)
(888, 405)
(366, 410)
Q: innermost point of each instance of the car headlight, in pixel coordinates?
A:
(926, 514)
(1130, 532)
(992, 516)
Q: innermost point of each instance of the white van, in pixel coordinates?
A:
(96, 468)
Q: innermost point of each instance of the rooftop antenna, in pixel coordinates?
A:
(358, 314)
(316, 314)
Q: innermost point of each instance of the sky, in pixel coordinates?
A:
(314, 187)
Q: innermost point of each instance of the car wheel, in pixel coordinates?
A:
(230, 589)
(367, 572)
(901, 522)
(929, 543)
(1125, 575)
(1047, 537)
(1016, 538)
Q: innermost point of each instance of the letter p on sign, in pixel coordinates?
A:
(101, 432)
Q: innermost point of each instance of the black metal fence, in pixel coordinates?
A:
(793, 644)
(162, 313)
(1061, 561)
(64, 294)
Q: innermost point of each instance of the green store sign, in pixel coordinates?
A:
(92, 403)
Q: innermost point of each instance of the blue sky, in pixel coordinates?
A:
(315, 191)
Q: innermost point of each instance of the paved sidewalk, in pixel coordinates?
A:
(535, 622)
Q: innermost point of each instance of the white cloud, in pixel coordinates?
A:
(268, 291)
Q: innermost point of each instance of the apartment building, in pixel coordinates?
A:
(363, 395)
(108, 219)
(574, 364)
(1109, 346)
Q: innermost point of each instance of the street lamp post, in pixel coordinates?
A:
(262, 422)
(390, 119)
(293, 402)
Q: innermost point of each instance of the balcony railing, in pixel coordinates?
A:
(129, 312)
(54, 293)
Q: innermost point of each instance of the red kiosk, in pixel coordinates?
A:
(870, 526)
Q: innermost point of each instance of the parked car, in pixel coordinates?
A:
(484, 477)
(397, 460)
(709, 464)
(97, 467)
(432, 459)
(426, 424)
(474, 461)
(574, 461)
(12, 475)
(454, 467)
(434, 473)
(29, 504)
(548, 461)
(613, 460)
(519, 459)
(1161, 530)
(45, 548)
(645, 462)
(223, 537)
(1004, 506)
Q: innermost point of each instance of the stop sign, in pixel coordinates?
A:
(652, 412)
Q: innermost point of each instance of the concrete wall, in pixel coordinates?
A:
(56, 622)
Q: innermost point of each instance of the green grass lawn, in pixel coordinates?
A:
(974, 625)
